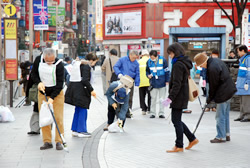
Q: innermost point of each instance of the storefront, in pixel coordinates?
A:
(149, 25)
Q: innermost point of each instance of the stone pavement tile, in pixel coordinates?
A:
(8, 164)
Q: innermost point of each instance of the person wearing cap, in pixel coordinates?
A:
(221, 90)
(178, 95)
(129, 65)
(144, 83)
(242, 84)
(117, 98)
(158, 74)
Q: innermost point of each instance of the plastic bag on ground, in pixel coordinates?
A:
(6, 115)
(114, 127)
(45, 116)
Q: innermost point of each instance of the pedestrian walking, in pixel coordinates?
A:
(243, 82)
(144, 83)
(158, 74)
(108, 66)
(179, 95)
(128, 65)
(48, 73)
(221, 90)
(79, 94)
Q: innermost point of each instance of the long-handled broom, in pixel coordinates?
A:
(61, 136)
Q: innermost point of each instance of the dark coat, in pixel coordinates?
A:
(221, 85)
(79, 93)
(178, 85)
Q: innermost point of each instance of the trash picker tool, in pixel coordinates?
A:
(15, 92)
(61, 136)
(21, 102)
(197, 125)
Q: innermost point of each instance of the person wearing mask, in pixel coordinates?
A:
(79, 94)
(108, 66)
(144, 83)
(221, 90)
(232, 55)
(179, 95)
(158, 74)
(48, 73)
(128, 65)
(242, 84)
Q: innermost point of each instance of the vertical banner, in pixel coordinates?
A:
(40, 12)
(74, 7)
(10, 48)
(27, 14)
(99, 15)
(2, 28)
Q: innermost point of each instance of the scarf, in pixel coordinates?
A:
(175, 59)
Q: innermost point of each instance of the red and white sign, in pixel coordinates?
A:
(197, 15)
(11, 69)
(134, 47)
(74, 7)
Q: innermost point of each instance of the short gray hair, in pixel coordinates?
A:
(49, 52)
(133, 52)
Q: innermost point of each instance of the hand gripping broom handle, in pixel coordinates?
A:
(61, 136)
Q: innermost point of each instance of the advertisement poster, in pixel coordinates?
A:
(10, 69)
(124, 23)
(52, 11)
(99, 19)
(10, 27)
(74, 13)
(2, 28)
(40, 9)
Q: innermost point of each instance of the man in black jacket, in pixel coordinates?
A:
(48, 73)
(221, 90)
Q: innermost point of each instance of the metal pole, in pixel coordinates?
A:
(1, 41)
(30, 30)
(56, 19)
(11, 93)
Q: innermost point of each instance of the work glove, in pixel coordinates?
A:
(114, 105)
(93, 93)
(166, 102)
(41, 87)
(120, 76)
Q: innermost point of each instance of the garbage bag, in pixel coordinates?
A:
(6, 115)
(45, 116)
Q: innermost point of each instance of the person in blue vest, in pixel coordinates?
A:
(243, 82)
(158, 73)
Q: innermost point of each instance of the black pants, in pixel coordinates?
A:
(112, 114)
(180, 128)
(204, 91)
(131, 94)
(142, 93)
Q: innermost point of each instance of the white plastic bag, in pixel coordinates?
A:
(45, 116)
(114, 128)
(6, 115)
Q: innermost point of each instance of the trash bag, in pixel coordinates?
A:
(6, 115)
(114, 128)
(45, 116)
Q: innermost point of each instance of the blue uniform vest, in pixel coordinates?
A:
(243, 76)
(156, 70)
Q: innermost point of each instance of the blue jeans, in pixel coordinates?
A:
(222, 120)
(79, 123)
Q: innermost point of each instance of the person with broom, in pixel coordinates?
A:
(48, 73)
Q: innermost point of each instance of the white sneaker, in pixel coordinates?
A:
(143, 112)
(84, 135)
(75, 134)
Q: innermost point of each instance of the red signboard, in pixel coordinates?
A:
(11, 69)
(134, 47)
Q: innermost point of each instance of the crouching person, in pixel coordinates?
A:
(118, 100)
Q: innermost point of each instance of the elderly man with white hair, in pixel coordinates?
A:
(48, 73)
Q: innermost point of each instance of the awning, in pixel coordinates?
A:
(126, 41)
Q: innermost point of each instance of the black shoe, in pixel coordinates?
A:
(238, 119)
(46, 145)
(161, 116)
(228, 138)
(152, 116)
(59, 146)
(128, 115)
(215, 140)
(33, 133)
(245, 120)
(27, 104)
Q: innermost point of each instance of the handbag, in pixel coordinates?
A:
(33, 93)
(113, 75)
(192, 87)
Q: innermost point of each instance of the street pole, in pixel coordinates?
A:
(56, 19)
(30, 30)
(1, 41)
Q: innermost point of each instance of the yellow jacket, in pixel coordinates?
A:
(144, 81)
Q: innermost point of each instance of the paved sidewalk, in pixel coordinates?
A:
(146, 140)
(143, 144)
